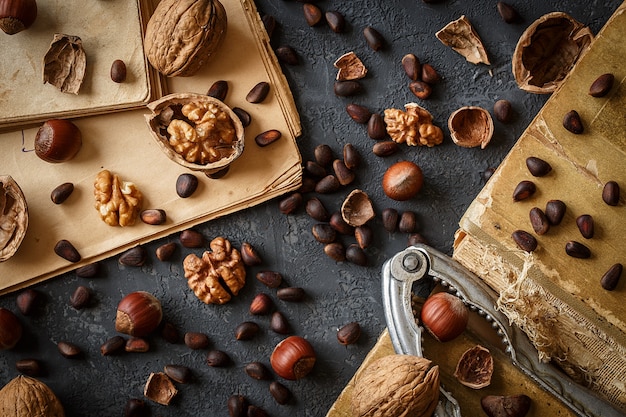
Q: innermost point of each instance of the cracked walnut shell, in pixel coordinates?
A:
(396, 385)
(118, 202)
(414, 126)
(182, 35)
(462, 38)
(13, 217)
(196, 131)
(218, 275)
(548, 50)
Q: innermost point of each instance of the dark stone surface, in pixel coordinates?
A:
(337, 293)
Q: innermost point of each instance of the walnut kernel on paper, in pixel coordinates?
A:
(414, 126)
(208, 138)
(118, 202)
(217, 274)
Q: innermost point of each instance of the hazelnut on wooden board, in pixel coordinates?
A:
(396, 385)
(209, 275)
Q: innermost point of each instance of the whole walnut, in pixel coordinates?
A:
(396, 386)
(24, 396)
(181, 35)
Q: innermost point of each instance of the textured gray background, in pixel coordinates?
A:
(338, 293)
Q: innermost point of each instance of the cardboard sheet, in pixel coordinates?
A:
(122, 143)
(109, 30)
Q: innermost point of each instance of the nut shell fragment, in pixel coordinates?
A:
(218, 275)
(548, 50)
(160, 388)
(357, 209)
(196, 131)
(396, 385)
(475, 367)
(65, 62)
(471, 126)
(13, 217)
(461, 37)
(350, 67)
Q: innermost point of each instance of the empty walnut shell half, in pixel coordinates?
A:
(471, 126)
(547, 51)
(357, 208)
(13, 217)
(196, 131)
(475, 367)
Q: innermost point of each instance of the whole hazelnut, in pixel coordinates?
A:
(17, 15)
(444, 316)
(293, 358)
(403, 180)
(138, 314)
(10, 329)
(58, 140)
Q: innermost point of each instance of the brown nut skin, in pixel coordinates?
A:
(293, 358)
(17, 15)
(403, 180)
(138, 314)
(10, 329)
(58, 140)
(506, 406)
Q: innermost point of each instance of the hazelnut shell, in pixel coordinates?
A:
(10, 329)
(13, 216)
(475, 367)
(357, 209)
(471, 126)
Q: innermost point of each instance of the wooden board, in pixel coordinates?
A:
(109, 30)
(122, 143)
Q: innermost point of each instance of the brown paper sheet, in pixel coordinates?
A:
(109, 30)
(122, 143)
(591, 321)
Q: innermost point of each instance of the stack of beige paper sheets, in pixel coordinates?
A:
(557, 299)
(122, 143)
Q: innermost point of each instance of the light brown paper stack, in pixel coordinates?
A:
(122, 143)
(109, 30)
(556, 299)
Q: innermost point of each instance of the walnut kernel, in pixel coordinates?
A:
(218, 274)
(118, 202)
(413, 126)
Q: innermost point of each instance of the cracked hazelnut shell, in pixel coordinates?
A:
(475, 367)
(58, 140)
(471, 126)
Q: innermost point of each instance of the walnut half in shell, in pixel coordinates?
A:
(548, 50)
(196, 131)
(13, 217)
